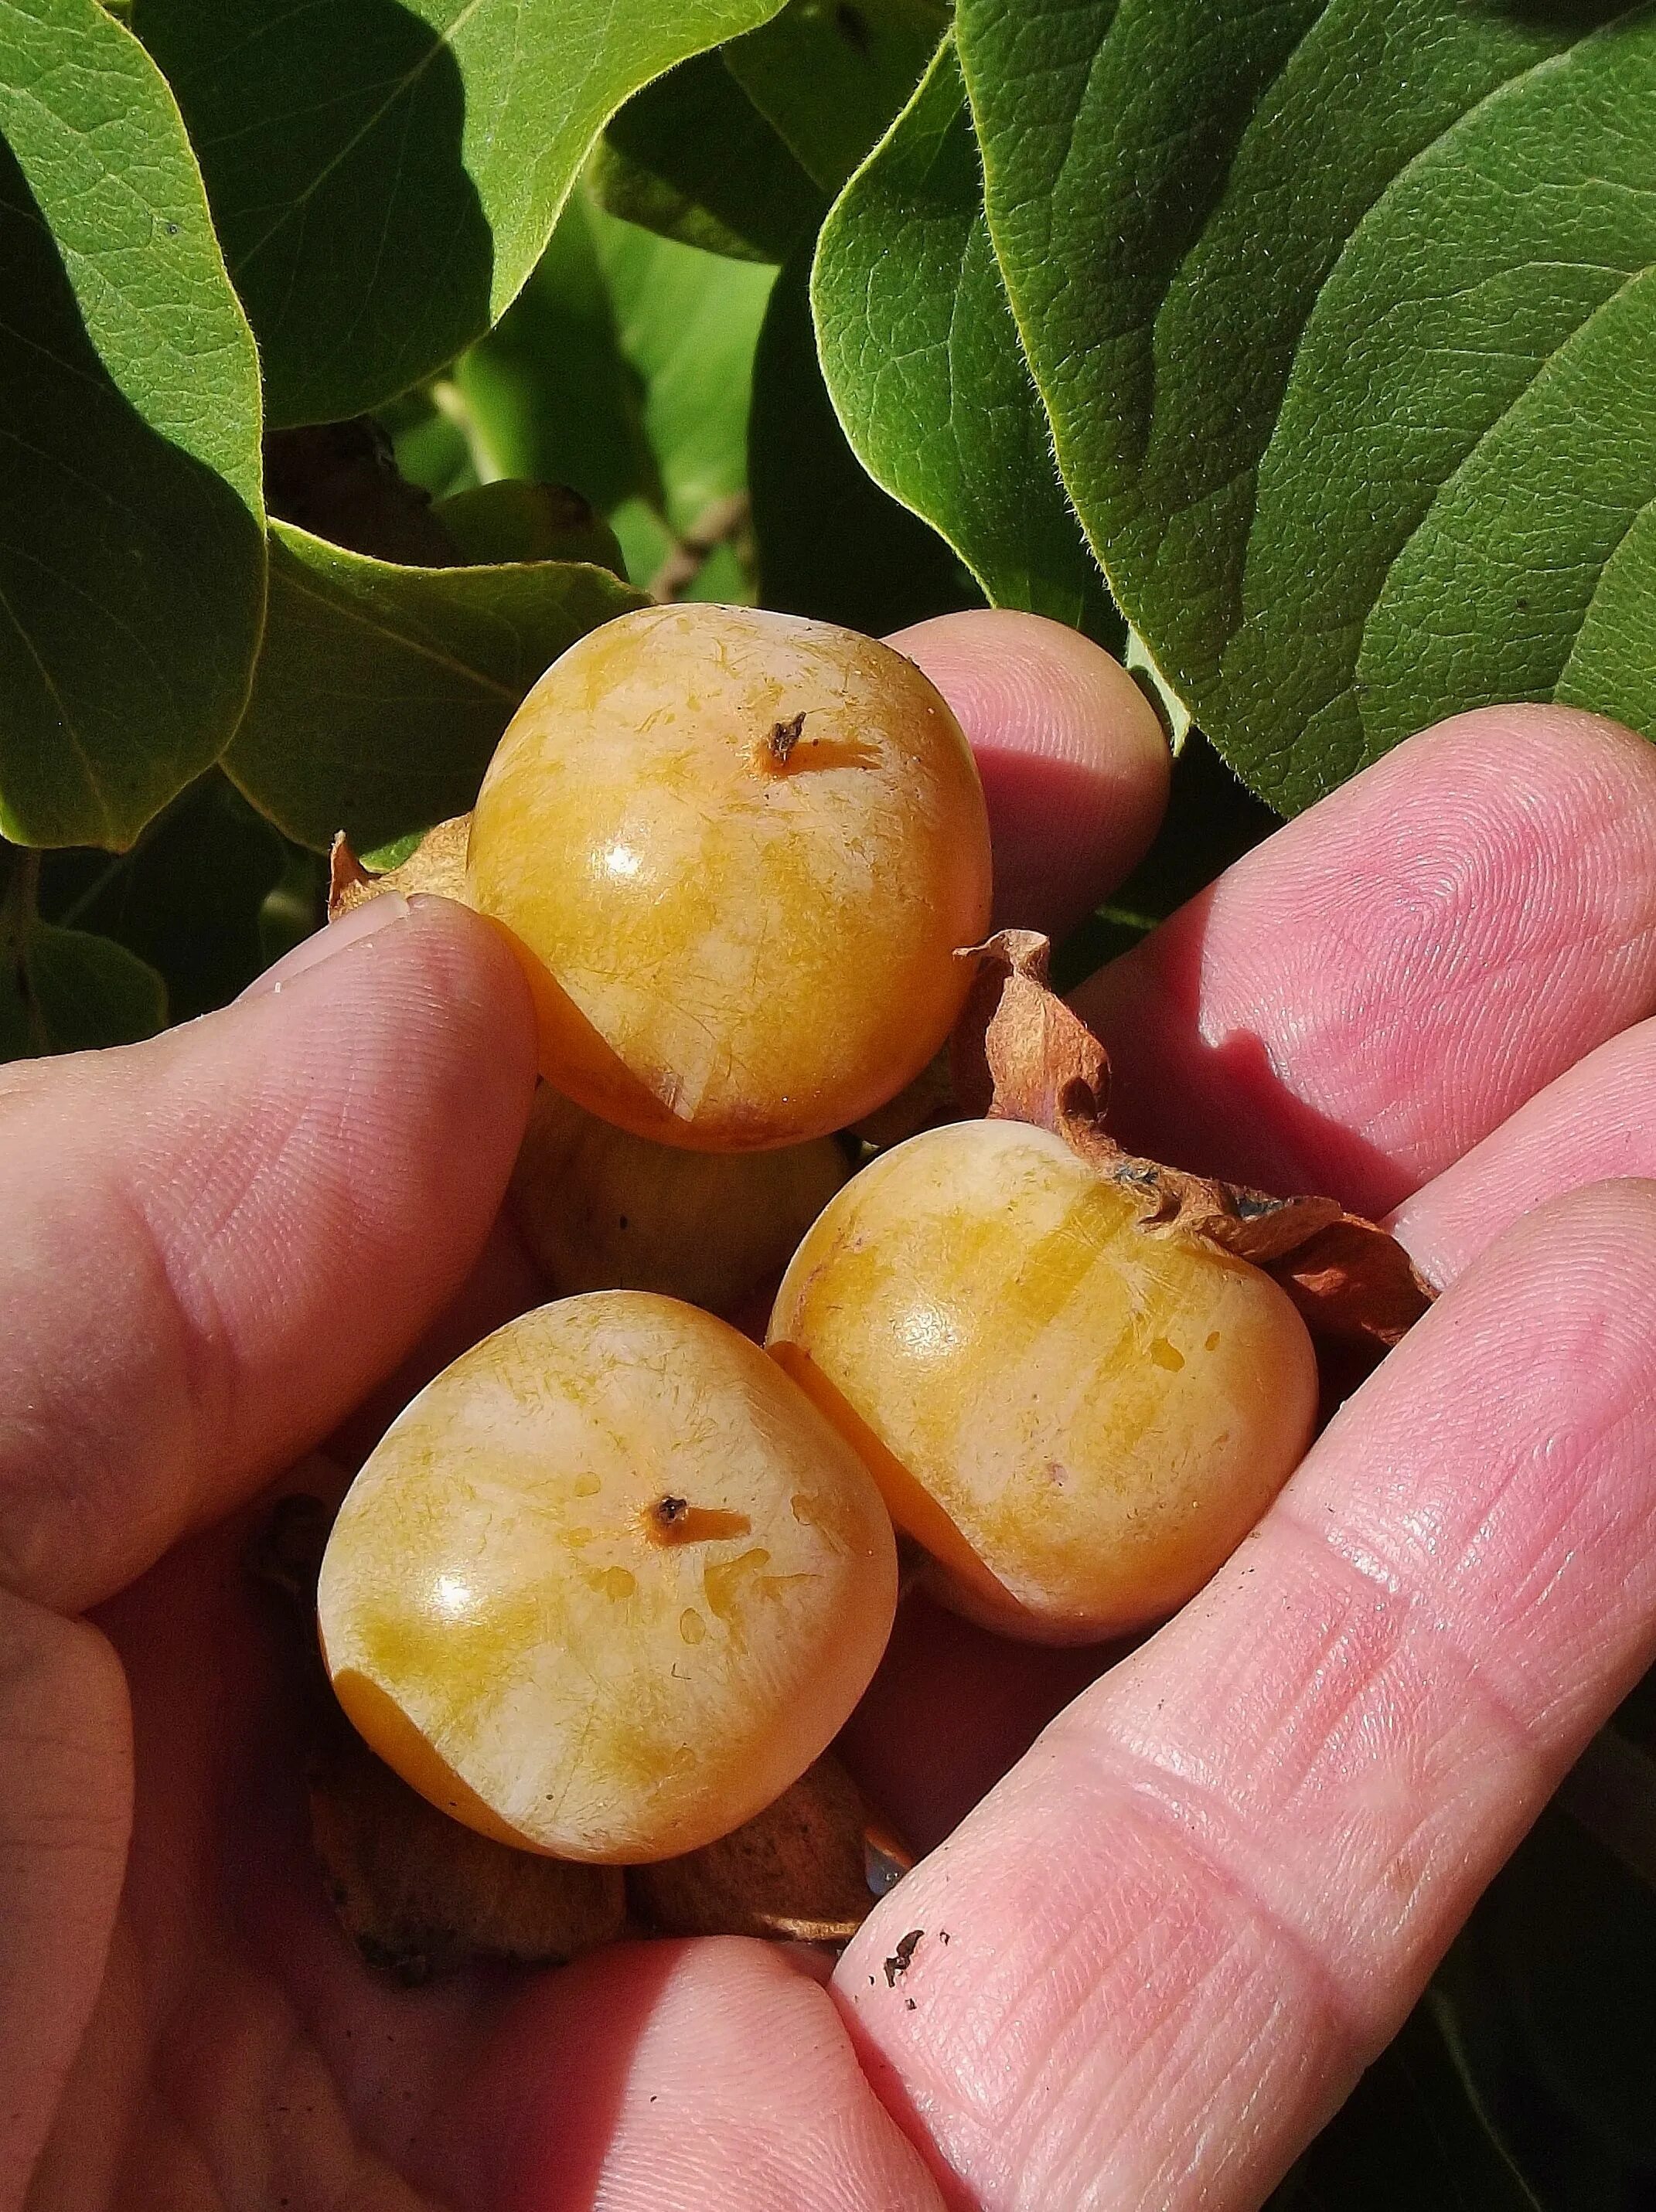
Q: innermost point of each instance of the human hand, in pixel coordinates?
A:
(1209, 1894)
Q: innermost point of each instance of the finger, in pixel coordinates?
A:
(713, 2076)
(66, 1755)
(217, 1241)
(1208, 1897)
(1074, 761)
(1596, 1121)
(1376, 988)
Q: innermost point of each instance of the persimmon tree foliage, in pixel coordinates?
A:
(357, 360)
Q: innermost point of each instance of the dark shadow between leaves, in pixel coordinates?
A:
(1561, 14)
(832, 544)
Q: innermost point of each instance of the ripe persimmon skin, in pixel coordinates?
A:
(1079, 1421)
(602, 1209)
(737, 851)
(609, 1585)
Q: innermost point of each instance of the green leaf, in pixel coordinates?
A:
(832, 544)
(381, 691)
(692, 157)
(65, 990)
(510, 520)
(924, 364)
(625, 370)
(385, 174)
(132, 549)
(188, 898)
(830, 75)
(1343, 314)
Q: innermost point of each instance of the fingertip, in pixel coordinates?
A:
(1075, 762)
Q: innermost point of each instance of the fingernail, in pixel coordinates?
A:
(382, 912)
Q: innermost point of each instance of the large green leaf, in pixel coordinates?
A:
(924, 363)
(381, 691)
(1343, 316)
(385, 174)
(131, 548)
(830, 542)
(625, 370)
(830, 75)
(692, 157)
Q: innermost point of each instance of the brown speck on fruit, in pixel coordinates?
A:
(783, 737)
(676, 1521)
(898, 1964)
(786, 751)
(909, 2001)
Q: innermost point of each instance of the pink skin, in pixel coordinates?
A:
(1209, 1891)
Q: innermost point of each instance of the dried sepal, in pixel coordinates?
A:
(421, 1896)
(1354, 1285)
(811, 1868)
(436, 867)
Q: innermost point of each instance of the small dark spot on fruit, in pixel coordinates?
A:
(624, 1221)
(909, 2002)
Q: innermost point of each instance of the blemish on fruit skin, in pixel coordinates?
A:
(691, 1627)
(1166, 1355)
(722, 1586)
(1212, 1344)
(614, 1581)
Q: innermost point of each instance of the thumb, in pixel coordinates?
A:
(218, 1240)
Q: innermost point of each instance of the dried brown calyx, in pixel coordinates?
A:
(1354, 1285)
(810, 1868)
(435, 867)
(422, 1896)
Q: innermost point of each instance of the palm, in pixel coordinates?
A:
(1208, 1895)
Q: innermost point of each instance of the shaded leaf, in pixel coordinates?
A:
(832, 544)
(381, 691)
(926, 369)
(131, 551)
(510, 520)
(692, 157)
(67, 990)
(188, 898)
(1407, 2136)
(385, 174)
(1343, 316)
(1571, 1932)
(830, 75)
